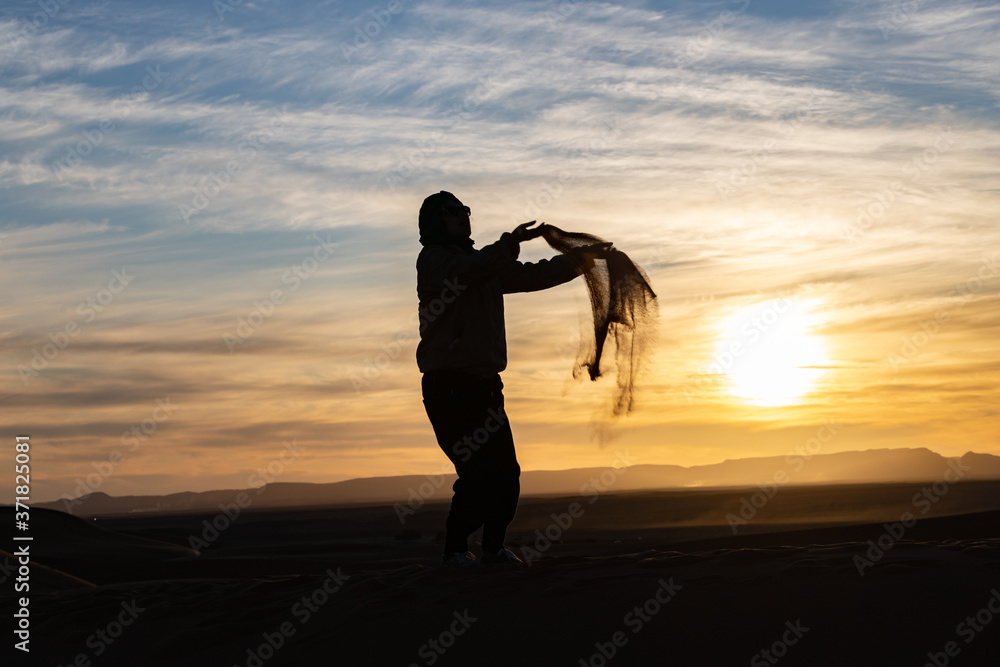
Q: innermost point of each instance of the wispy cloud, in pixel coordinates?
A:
(737, 156)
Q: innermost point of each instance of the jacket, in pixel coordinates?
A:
(460, 294)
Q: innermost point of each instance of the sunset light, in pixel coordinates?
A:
(246, 253)
(563, 332)
(769, 352)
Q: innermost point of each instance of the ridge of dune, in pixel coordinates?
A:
(905, 465)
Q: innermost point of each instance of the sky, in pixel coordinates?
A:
(208, 228)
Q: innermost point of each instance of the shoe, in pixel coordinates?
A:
(465, 560)
(503, 557)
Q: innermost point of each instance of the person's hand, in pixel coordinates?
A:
(524, 232)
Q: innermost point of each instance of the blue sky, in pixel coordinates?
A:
(841, 154)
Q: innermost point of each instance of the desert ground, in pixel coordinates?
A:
(891, 574)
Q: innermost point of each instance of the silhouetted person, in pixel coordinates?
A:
(462, 350)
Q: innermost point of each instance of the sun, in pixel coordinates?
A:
(768, 353)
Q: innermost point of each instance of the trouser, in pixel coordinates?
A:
(472, 429)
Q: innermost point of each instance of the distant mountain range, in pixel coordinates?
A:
(870, 466)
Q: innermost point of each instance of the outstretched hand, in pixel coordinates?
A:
(524, 232)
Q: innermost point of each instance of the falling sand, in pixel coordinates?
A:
(623, 304)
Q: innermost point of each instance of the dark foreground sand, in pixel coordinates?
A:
(634, 579)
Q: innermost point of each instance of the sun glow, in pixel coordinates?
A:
(767, 353)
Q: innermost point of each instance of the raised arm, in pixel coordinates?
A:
(437, 264)
(543, 274)
(530, 277)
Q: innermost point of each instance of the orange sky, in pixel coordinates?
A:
(828, 180)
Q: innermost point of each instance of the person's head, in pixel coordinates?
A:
(444, 219)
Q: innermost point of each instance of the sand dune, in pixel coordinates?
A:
(44, 579)
(79, 548)
(351, 586)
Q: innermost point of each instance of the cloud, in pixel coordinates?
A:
(841, 152)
